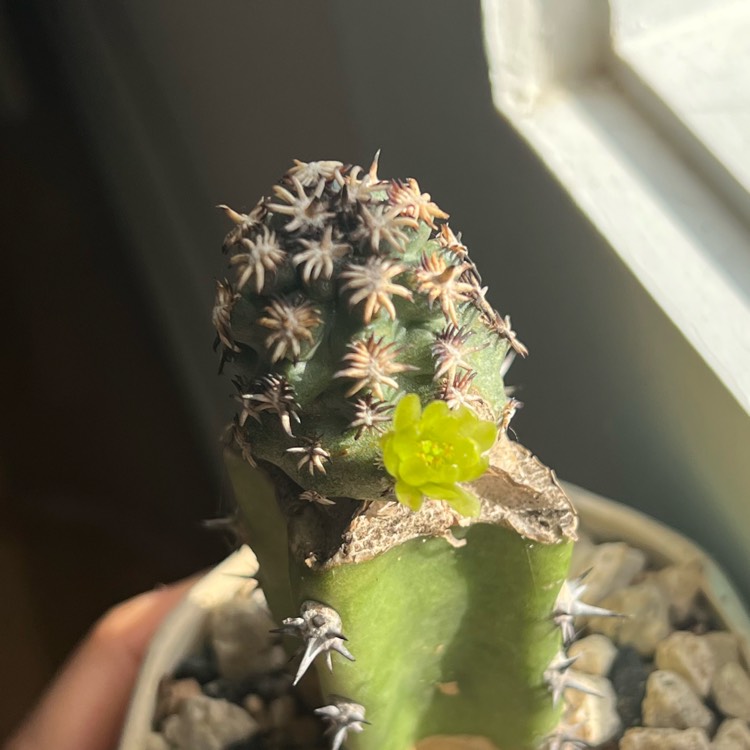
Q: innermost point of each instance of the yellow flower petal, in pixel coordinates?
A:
(434, 413)
(410, 496)
(390, 455)
(414, 471)
(474, 472)
(466, 503)
(407, 412)
(485, 434)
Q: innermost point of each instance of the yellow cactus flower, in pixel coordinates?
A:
(429, 452)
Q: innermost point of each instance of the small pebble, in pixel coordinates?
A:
(205, 723)
(724, 647)
(733, 734)
(628, 675)
(595, 654)
(170, 695)
(256, 742)
(233, 691)
(646, 621)
(594, 716)
(664, 739)
(156, 741)
(200, 666)
(681, 584)
(305, 731)
(273, 684)
(671, 702)
(254, 705)
(731, 691)
(689, 656)
(257, 708)
(613, 566)
(282, 711)
(240, 636)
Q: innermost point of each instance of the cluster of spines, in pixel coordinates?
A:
(319, 627)
(331, 242)
(559, 675)
(269, 393)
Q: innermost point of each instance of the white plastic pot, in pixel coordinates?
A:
(183, 631)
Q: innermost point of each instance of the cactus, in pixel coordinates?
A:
(418, 552)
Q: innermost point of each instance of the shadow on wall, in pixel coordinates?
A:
(102, 482)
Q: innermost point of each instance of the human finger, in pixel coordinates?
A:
(83, 708)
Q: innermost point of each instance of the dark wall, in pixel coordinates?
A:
(103, 485)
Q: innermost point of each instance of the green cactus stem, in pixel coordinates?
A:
(417, 550)
(448, 652)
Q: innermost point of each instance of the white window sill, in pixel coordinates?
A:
(664, 185)
(692, 76)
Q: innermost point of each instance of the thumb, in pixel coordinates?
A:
(83, 708)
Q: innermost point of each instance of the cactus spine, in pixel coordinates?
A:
(368, 366)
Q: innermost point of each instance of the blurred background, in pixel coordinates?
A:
(123, 124)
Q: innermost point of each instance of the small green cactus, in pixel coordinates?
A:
(395, 522)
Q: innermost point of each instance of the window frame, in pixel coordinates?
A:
(577, 84)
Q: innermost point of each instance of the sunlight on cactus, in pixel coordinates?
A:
(428, 453)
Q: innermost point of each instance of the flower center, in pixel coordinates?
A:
(435, 454)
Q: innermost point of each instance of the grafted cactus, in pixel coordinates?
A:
(373, 470)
